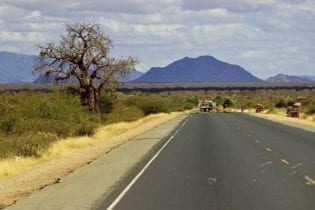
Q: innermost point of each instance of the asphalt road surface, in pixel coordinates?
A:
(225, 161)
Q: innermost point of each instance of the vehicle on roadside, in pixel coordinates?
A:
(294, 110)
(259, 108)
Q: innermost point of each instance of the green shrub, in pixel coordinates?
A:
(7, 124)
(311, 108)
(218, 100)
(190, 103)
(27, 145)
(46, 111)
(193, 100)
(227, 103)
(126, 114)
(281, 103)
(152, 107)
(106, 104)
(34, 145)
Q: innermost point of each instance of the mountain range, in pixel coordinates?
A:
(51, 79)
(17, 68)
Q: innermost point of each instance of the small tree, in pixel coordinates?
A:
(84, 54)
(227, 103)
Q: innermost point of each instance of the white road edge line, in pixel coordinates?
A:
(133, 181)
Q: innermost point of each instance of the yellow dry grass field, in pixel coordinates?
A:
(10, 167)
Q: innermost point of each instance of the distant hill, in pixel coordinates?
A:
(309, 77)
(135, 75)
(15, 68)
(282, 78)
(51, 79)
(202, 69)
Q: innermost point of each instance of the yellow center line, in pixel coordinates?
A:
(285, 161)
(257, 141)
(268, 149)
(309, 180)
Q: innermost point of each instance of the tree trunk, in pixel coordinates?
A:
(90, 98)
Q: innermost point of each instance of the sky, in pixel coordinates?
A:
(266, 37)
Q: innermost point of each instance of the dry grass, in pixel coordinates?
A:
(10, 167)
(305, 122)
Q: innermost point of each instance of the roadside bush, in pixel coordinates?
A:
(34, 145)
(311, 108)
(122, 113)
(28, 145)
(152, 107)
(72, 90)
(227, 103)
(7, 124)
(190, 103)
(106, 104)
(218, 100)
(281, 103)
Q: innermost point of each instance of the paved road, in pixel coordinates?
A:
(227, 161)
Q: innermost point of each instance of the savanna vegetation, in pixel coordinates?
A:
(31, 121)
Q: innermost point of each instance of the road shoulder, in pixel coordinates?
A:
(293, 122)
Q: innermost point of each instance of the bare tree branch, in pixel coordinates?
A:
(83, 53)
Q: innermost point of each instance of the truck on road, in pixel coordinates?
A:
(206, 106)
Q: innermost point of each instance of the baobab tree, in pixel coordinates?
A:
(84, 53)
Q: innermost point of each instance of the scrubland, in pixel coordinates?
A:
(33, 124)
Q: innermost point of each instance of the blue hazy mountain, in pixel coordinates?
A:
(51, 79)
(193, 70)
(135, 75)
(309, 77)
(16, 67)
(282, 78)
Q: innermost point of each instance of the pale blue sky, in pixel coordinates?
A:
(264, 36)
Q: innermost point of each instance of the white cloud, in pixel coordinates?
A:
(70, 7)
(252, 54)
(21, 37)
(265, 36)
(235, 6)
